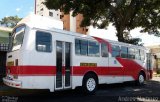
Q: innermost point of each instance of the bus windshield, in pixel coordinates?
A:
(17, 38)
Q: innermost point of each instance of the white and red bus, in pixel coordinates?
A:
(44, 56)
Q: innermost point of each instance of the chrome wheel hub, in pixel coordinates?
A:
(91, 84)
(141, 79)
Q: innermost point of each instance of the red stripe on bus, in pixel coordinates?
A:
(130, 68)
(32, 70)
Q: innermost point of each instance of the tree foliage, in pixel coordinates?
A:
(10, 21)
(125, 15)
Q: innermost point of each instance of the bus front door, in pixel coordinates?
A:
(63, 65)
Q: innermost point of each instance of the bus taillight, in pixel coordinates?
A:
(15, 76)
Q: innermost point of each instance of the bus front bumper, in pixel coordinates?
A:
(12, 83)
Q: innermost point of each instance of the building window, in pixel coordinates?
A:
(61, 16)
(86, 30)
(115, 51)
(104, 50)
(124, 52)
(43, 41)
(50, 14)
(93, 48)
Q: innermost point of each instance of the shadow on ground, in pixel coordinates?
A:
(104, 93)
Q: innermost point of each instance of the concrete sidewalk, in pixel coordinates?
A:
(156, 79)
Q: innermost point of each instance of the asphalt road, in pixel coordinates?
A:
(126, 92)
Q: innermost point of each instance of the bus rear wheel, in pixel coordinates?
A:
(89, 84)
(141, 79)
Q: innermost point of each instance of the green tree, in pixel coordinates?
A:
(125, 15)
(10, 21)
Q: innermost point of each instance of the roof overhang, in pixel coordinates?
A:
(5, 29)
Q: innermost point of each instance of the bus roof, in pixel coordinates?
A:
(78, 35)
(41, 22)
(45, 23)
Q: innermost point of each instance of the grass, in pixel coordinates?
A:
(156, 75)
(158, 71)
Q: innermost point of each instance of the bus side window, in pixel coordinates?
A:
(81, 47)
(124, 52)
(104, 50)
(115, 51)
(93, 48)
(43, 41)
(77, 46)
(131, 53)
(137, 54)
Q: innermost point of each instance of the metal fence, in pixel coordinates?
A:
(2, 64)
(4, 47)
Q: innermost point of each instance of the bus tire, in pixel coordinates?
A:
(141, 79)
(90, 84)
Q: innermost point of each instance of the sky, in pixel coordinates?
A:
(22, 8)
(110, 33)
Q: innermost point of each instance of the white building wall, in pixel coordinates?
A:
(72, 23)
(42, 10)
(4, 35)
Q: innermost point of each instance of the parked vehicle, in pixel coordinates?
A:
(44, 56)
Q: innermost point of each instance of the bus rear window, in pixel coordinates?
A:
(17, 38)
(43, 41)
